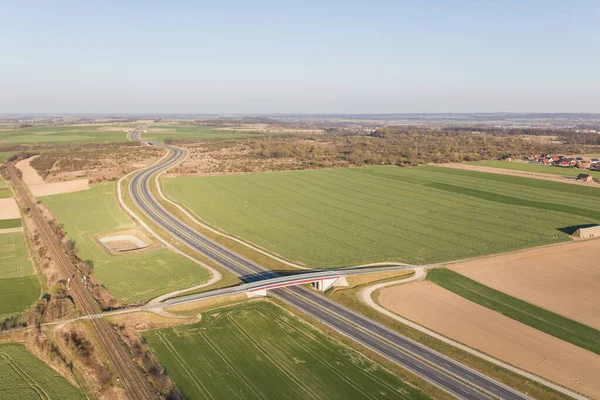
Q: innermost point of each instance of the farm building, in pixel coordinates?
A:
(585, 178)
(592, 231)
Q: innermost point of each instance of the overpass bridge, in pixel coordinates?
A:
(322, 280)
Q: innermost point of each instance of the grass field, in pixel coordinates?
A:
(132, 276)
(543, 169)
(19, 287)
(22, 376)
(526, 313)
(14, 260)
(257, 350)
(4, 193)
(328, 218)
(10, 223)
(62, 134)
(161, 132)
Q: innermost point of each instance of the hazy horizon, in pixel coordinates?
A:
(310, 58)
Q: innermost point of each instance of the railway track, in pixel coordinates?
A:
(128, 374)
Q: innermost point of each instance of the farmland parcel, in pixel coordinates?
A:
(257, 350)
(529, 314)
(162, 132)
(22, 376)
(132, 276)
(562, 279)
(340, 217)
(19, 287)
(64, 134)
(495, 334)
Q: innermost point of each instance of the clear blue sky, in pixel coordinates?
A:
(302, 57)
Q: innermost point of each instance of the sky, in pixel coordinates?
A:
(299, 57)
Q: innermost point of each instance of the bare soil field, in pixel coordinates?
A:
(495, 334)
(48, 189)
(525, 174)
(9, 209)
(564, 279)
(30, 175)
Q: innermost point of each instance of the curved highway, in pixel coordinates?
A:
(447, 374)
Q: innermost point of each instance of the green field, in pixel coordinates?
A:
(61, 134)
(10, 223)
(553, 324)
(337, 217)
(14, 259)
(4, 193)
(257, 350)
(131, 276)
(22, 376)
(161, 132)
(538, 168)
(19, 287)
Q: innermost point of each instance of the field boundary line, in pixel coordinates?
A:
(331, 367)
(277, 363)
(365, 295)
(188, 370)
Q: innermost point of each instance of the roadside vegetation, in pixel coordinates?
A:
(259, 350)
(526, 313)
(132, 276)
(342, 217)
(22, 376)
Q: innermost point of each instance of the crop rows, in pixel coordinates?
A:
(22, 376)
(258, 351)
(351, 216)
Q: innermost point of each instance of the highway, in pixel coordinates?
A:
(447, 374)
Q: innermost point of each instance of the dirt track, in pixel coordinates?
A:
(523, 174)
(501, 337)
(564, 279)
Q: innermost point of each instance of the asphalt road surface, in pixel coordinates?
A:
(441, 371)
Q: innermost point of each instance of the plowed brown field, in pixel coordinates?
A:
(493, 333)
(564, 279)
